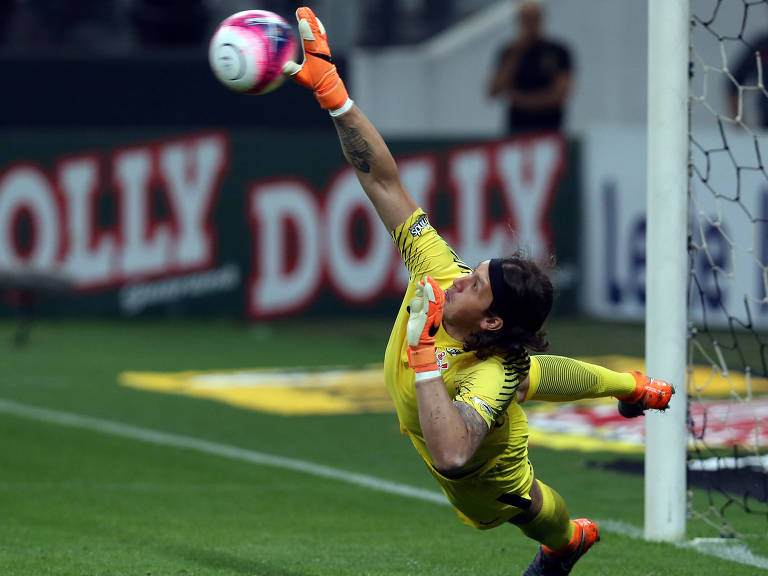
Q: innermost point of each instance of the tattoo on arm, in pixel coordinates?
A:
(476, 426)
(355, 147)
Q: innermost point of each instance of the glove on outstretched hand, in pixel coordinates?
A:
(426, 313)
(317, 72)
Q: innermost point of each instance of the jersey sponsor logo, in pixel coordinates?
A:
(442, 363)
(454, 351)
(419, 226)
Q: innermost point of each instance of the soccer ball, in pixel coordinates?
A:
(248, 50)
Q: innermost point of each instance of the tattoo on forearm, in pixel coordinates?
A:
(476, 426)
(355, 147)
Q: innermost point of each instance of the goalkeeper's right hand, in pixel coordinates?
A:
(425, 315)
(317, 70)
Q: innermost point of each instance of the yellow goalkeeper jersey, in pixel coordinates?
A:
(489, 386)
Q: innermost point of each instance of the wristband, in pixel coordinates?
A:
(422, 358)
(421, 376)
(339, 111)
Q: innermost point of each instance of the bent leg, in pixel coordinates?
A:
(563, 541)
(548, 521)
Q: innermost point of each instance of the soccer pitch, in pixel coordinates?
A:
(114, 480)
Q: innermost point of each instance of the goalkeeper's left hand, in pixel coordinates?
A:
(426, 313)
(317, 72)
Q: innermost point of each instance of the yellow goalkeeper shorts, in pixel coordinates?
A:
(490, 497)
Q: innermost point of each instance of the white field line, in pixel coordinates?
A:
(242, 454)
(735, 552)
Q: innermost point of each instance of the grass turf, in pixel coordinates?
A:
(79, 502)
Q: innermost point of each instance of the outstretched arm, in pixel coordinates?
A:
(363, 146)
(376, 170)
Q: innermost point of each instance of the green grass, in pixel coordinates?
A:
(76, 502)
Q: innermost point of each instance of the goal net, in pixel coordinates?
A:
(728, 255)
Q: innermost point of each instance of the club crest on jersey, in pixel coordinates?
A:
(419, 226)
(442, 363)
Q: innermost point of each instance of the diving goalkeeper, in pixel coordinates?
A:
(457, 364)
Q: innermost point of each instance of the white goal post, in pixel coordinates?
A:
(667, 264)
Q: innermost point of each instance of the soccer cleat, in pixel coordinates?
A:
(553, 563)
(650, 394)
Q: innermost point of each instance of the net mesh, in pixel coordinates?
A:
(728, 253)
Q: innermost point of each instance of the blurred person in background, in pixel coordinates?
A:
(457, 364)
(533, 75)
(746, 74)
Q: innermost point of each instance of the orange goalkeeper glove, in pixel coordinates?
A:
(426, 313)
(317, 70)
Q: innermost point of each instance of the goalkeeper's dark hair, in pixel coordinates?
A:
(523, 297)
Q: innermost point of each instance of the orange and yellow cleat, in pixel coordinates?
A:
(650, 394)
(548, 562)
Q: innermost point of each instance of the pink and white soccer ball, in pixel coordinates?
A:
(248, 50)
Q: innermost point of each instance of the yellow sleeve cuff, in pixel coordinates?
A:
(534, 377)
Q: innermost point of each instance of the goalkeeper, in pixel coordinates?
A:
(457, 364)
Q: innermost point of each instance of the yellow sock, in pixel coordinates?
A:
(561, 379)
(552, 526)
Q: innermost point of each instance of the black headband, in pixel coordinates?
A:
(507, 302)
(502, 300)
